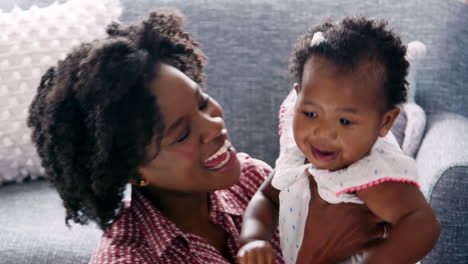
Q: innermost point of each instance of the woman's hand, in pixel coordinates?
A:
(256, 252)
(334, 232)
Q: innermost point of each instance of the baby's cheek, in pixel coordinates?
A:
(355, 149)
(302, 142)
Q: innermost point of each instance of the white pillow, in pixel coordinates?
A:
(30, 42)
(415, 52)
(410, 124)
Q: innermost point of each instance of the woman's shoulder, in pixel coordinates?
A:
(121, 244)
(253, 173)
(252, 167)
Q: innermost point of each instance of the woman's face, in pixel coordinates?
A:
(195, 153)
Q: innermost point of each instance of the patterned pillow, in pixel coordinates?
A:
(31, 41)
(410, 124)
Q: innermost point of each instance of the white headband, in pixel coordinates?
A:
(317, 39)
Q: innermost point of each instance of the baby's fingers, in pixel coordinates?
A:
(270, 257)
(242, 256)
(263, 256)
(247, 255)
(256, 252)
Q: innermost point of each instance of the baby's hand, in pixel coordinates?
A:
(256, 252)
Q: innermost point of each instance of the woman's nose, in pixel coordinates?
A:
(212, 127)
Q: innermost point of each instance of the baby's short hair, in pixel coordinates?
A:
(350, 42)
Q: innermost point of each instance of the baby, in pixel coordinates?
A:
(350, 79)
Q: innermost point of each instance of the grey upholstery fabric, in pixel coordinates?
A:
(248, 43)
(32, 227)
(445, 145)
(443, 167)
(451, 208)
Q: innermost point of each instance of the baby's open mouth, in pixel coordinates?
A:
(324, 155)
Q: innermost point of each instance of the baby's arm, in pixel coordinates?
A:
(415, 227)
(259, 225)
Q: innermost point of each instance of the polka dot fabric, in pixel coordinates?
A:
(30, 42)
(385, 162)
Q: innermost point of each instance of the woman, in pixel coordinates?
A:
(131, 109)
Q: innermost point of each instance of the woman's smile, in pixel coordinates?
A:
(219, 157)
(224, 161)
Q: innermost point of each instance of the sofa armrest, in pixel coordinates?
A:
(443, 169)
(445, 146)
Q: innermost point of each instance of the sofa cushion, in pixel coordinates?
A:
(33, 230)
(32, 40)
(450, 203)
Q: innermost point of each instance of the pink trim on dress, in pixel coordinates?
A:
(372, 183)
(281, 119)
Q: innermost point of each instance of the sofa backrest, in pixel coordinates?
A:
(249, 42)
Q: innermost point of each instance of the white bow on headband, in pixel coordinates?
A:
(317, 38)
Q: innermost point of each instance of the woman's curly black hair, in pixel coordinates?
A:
(354, 40)
(93, 114)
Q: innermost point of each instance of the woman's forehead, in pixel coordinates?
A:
(171, 84)
(174, 92)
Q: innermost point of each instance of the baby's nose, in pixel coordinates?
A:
(325, 131)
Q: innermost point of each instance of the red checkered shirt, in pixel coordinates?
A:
(143, 235)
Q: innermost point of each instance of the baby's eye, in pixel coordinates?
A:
(310, 114)
(345, 122)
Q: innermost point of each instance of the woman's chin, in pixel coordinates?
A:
(231, 176)
(228, 178)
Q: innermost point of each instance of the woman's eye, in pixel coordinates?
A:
(345, 122)
(205, 102)
(183, 137)
(310, 114)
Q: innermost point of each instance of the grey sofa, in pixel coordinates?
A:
(248, 43)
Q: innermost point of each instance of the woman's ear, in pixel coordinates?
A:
(138, 180)
(388, 120)
(297, 88)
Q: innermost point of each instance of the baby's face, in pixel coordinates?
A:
(338, 114)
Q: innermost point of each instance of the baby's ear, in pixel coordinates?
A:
(387, 121)
(297, 88)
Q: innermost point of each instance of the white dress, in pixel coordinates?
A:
(385, 162)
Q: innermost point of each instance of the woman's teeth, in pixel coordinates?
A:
(221, 158)
(223, 149)
(224, 162)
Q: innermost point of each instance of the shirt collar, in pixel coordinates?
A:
(158, 231)
(225, 201)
